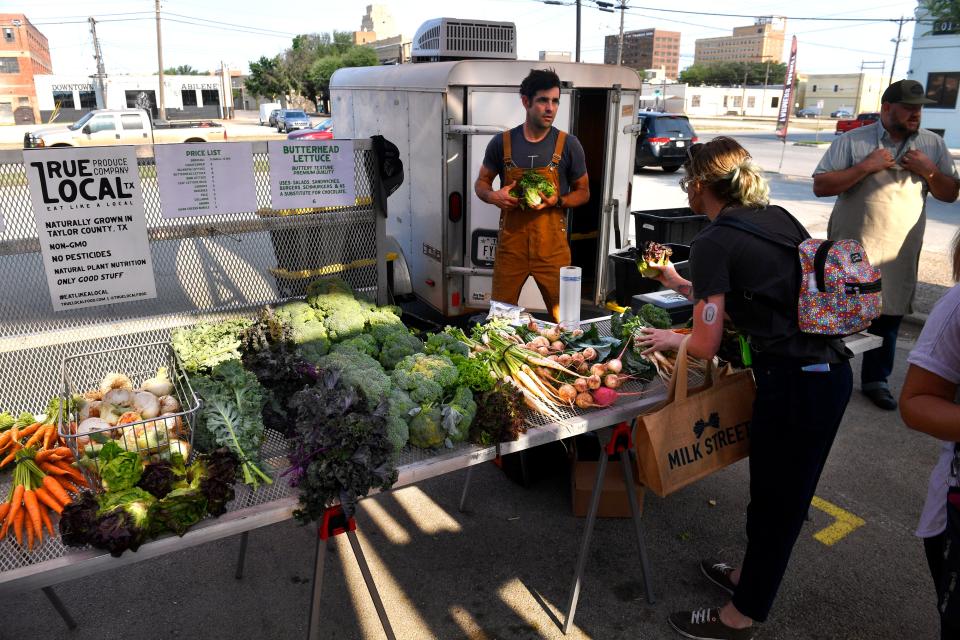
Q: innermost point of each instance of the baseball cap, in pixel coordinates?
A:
(906, 92)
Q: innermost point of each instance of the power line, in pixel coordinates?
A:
(228, 24)
(247, 30)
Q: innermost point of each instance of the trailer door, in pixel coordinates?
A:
(501, 108)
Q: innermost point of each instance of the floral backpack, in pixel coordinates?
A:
(839, 288)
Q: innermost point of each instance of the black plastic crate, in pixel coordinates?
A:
(627, 279)
(673, 226)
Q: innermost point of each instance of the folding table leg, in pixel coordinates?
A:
(634, 510)
(60, 607)
(371, 585)
(585, 544)
(466, 486)
(314, 628)
(243, 554)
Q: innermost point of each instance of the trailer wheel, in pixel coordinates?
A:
(399, 283)
(671, 168)
(196, 140)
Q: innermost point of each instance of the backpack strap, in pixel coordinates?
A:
(752, 229)
(820, 263)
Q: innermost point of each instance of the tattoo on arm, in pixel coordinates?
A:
(685, 290)
(709, 313)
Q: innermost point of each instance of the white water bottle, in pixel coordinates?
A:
(570, 279)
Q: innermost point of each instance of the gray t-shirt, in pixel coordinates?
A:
(527, 155)
(938, 351)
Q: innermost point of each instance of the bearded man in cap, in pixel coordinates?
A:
(882, 174)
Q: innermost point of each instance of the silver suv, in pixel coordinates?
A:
(290, 119)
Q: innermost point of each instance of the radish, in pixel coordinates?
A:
(615, 365)
(598, 369)
(594, 382)
(563, 359)
(585, 401)
(604, 396)
(589, 354)
(611, 381)
(580, 384)
(557, 345)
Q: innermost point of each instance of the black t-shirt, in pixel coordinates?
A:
(760, 281)
(531, 155)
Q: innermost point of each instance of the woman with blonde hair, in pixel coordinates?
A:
(803, 381)
(928, 403)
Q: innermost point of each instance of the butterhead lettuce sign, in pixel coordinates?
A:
(88, 206)
(312, 173)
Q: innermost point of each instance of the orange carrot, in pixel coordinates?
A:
(18, 526)
(66, 484)
(52, 469)
(16, 447)
(51, 437)
(29, 529)
(37, 435)
(33, 510)
(15, 502)
(47, 522)
(4, 509)
(51, 455)
(56, 490)
(44, 496)
(14, 433)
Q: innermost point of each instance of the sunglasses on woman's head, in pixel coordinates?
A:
(685, 183)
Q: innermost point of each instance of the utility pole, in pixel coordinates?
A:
(101, 71)
(161, 106)
(896, 48)
(578, 30)
(620, 43)
(743, 95)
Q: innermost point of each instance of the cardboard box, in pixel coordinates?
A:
(613, 498)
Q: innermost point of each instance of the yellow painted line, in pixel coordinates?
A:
(846, 523)
(329, 269)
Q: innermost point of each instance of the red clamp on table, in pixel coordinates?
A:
(335, 522)
(621, 439)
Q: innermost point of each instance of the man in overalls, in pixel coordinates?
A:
(882, 174)
(533, 240)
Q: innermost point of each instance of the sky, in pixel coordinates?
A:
(204, 33)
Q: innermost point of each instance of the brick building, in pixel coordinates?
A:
(24, 53)
(646, 49)
(760, 42)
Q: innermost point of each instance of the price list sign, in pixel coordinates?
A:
(88, 205)
(205, 179)
(312, 173)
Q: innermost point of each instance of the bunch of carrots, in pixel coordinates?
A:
(42, 435)
(42, 480)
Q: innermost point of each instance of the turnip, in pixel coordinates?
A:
(615, 365)
(580, 384)
(583, 368)
(564, 359)
(598, 369)
(584, 400)
(540, 341)
(544, 351)
(567, 393)
(533, 326)
(593, 382)
(576, 358)
(552, 334)
(589, 354)
(611, 381)
(557, 345)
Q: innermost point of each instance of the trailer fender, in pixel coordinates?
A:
(400, 281)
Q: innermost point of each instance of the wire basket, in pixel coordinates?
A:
(154, 438)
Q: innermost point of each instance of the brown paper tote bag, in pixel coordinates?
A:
(694, 434)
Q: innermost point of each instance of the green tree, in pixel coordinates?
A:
(323, 69)
(267, 78)
(734, 73)
(942, 11)
(184, 70)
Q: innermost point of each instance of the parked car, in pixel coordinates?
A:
(272, 118)
(808, 112)
(663, 141)
(842, 113)
(323, 130)
(290, 119)
(266, 109)
(122, 126)
(861, 120)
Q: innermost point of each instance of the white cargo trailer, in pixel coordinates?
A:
(441, 116)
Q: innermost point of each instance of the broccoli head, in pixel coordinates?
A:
(364, 343)
(445, 344)
(458, 414)
(426, 428)
(397, 346)
(425, 377)
(398, 417)
(361, 372)
(295, 311)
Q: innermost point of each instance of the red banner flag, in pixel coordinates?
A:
(786, 101)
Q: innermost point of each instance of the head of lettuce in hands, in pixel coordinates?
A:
(531, 189)
(653, 254)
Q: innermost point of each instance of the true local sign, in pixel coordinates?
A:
(88, 205)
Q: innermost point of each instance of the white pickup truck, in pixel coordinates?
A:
(122, 126)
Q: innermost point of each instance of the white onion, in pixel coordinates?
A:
(146, 404)
(90, 425)
(169, 404)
